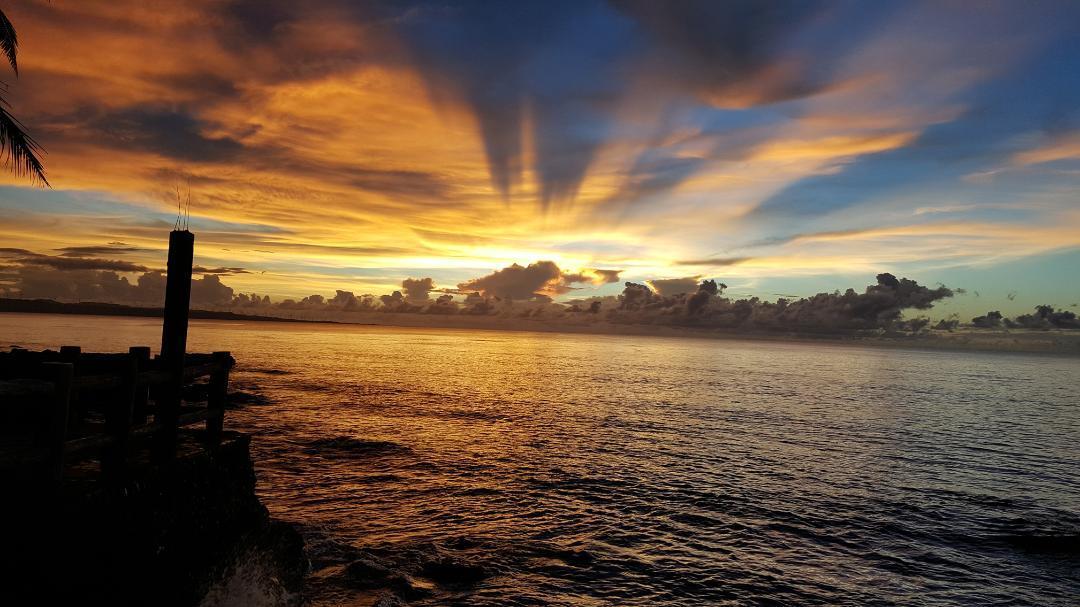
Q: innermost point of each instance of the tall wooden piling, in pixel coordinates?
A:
(177, 295)
(174, 336)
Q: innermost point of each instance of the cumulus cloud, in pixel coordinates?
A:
(517, 281)
(879, 307)
(522, 292)
(345, 300)
(33, 282)
(72, 276)
(75, 276)
(394, 302)
(417, 289)
(541, 280)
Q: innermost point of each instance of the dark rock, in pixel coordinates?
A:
(1046, 544)
(165, 537)
(462, 543)
(286, 546)
(388, 600)
(451, 572)
(576, 557)
(367, 573)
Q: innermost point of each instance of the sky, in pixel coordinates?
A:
(784, 148)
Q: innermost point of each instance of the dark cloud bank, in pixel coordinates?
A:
(520, 292)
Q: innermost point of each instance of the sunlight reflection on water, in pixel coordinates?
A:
(583, 469)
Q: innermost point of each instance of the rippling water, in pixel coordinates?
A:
(494, 468)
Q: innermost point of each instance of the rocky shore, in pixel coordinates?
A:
(191, 532)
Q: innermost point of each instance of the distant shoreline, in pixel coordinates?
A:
(49, 306)
(1051, 342)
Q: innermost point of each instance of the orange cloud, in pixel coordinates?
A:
(1066, 147)
(827, 148)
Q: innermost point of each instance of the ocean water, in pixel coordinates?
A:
(500, 468)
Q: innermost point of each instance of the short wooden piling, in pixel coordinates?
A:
(139, 411)
(72, 354)
(55, 425)
(216, 396)
(118, 418)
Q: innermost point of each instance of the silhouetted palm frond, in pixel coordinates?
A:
(21, 153)
(9, 41)
(19, 149)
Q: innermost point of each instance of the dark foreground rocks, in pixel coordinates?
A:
(163, 535)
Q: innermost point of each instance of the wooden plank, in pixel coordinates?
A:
(96, 442)
(97, 383)
(22, 388)
(108, 382)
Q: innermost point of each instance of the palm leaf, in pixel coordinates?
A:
(19, 149)
(9, 41)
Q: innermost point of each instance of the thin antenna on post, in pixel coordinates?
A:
(187, 211)
(179, 211)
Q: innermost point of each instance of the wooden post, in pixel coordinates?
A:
(216, 396)
(55, 427)
(71, 354)
(20, 361)
(141, 354)
(118, 415)
(177, 294)
(174, 338)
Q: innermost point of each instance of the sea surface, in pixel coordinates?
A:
(503, 468)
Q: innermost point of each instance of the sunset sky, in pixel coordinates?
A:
(783, 148)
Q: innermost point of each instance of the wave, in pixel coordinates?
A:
(351, 446)
(242, 398)
(266, 371)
